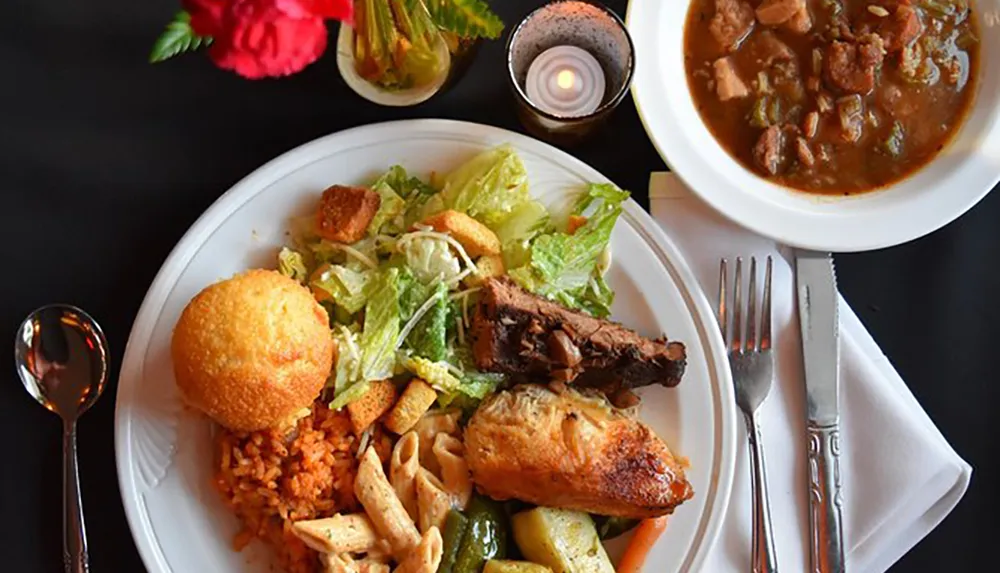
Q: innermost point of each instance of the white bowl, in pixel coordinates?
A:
(375, 94)
(951, 184)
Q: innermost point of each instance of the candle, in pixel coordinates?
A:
(565, 81)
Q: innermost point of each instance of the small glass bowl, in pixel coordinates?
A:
(584, 24)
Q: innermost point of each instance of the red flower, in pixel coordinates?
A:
(266, 38)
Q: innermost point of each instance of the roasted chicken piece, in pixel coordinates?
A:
(573, 451)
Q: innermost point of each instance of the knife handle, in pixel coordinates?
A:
(826, 532)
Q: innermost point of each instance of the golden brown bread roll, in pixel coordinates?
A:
(571, 451)
(252, 351)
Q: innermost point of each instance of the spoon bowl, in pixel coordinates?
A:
(61, 356)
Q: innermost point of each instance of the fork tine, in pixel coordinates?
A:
(765, 314)
(737, 343)
(723, 287)
(751, 343)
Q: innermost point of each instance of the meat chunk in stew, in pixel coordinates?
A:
(770, 150)
(776, 12)
(732, 23)
(900, 29)
(800, 23)
(769, 50)
(850, 67)
(727, 84)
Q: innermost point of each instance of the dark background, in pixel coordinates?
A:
(106, 160)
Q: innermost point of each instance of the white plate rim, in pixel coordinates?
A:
(862, 230)
(257, 181)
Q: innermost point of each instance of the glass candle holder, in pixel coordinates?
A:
(569, 64)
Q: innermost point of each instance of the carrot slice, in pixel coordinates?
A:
(638, 548)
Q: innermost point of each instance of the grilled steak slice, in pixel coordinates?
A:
(519, 333)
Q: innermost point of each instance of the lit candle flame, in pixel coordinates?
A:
(566, 79)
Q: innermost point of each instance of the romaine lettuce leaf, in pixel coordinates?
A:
(434, 373)
(388, 218)
(488, 187)
(414, 193)
(346, 287)
(347, 370)
(430, 259)
(566, 268)
(349, 395)
(412, 294)
(429, 338)
(404, 185)
(381, 328)
(292, 264)
(480, 384)
(516, 232)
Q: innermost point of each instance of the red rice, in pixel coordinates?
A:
(272, 478)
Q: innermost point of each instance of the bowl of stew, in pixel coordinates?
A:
(839, 125)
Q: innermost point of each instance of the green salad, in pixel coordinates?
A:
(400, 298)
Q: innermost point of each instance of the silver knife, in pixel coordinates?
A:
(817, 295)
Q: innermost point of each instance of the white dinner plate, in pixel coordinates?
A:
(164, 452)
(964, 172)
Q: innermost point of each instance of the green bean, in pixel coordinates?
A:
(454, 531)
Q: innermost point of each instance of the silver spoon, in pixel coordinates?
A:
(62, 358)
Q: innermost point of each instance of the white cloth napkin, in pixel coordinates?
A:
(900, 476)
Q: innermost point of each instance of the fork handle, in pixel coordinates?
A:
(764, 558)
(826, 533)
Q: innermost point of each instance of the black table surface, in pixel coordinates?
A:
(106, 161)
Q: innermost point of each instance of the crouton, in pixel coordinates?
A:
(416, 399)
(574, 223)
(345, 212)
(488, 266)
(475, 237)
(379, 398)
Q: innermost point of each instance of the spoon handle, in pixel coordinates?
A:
(74, 531)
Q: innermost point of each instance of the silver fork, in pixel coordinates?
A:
(752, 363)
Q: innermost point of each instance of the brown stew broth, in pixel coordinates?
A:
(920, 97)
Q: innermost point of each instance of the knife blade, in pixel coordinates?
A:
(816, 284)
(817, 292)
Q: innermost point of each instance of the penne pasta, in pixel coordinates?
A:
(338, 534)
(426, 557)
(369, 566)
(430, 425)
(449, 452)
(386, 512)
(403, 468)
(433, 500)
(339, 563)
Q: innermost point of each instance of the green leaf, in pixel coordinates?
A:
(293, 265)
(566, 268)
(177, 38)
(346, 287)
(488, 187)
(465, 18)
(434, 373)
(428, 339)
(388, 218)
(381, 329)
